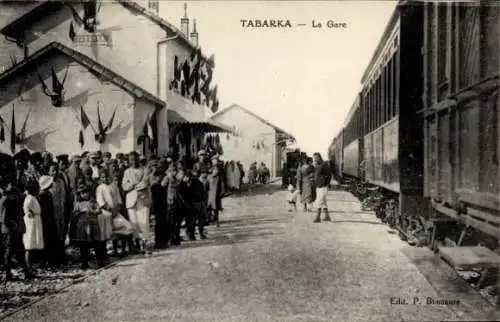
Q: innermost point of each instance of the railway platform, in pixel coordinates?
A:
(267, 264)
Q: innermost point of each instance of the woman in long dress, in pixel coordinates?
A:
(33, 237)
(106, 204)
(305, 182)
(59, 191)
(136, 186)
(49, 225)
(229, 176)
(236, 176)
(122, 229)
(214, 203)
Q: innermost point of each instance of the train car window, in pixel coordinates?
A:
(375, 105)
(369, 110)
(429, 50)
(382, 105)
(469, 45)
(442, 46)
(365, 113)
(388, 91)
(372, 105)
(397, 83)
(453, 82)
(391, 87)
(379, 99)
(490, 26)
(386, 95)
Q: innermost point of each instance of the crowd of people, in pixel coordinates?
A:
(259, 174)
(85, 201)
(310, 186)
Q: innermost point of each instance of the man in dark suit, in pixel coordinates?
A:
(322, 177)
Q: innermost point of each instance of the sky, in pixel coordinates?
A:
(302, 79)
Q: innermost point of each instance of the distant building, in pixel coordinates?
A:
(254, 140)
(127, 59)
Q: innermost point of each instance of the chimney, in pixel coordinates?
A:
(194, 34)
(154, 6)
(185, 22)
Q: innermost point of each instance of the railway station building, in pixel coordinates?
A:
(68, 86)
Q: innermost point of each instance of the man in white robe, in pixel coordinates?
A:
(136, 185)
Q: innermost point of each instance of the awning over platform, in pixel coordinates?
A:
(206, 125)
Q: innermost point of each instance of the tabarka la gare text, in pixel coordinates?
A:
(286, 23)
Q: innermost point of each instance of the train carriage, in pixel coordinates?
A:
(335, 155)
(352, 142)
(391, 132)
(461, 46)
(429, 138)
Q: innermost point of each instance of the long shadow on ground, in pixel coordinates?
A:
(257, 190)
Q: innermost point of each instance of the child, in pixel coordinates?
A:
(171, 185)
(199, 195)
(84, 227)
(122, 229)
(292, 198)
(158, 193)
(107, 208)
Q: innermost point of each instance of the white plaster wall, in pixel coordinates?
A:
(56, 129)
(133, 52)
(240, 148)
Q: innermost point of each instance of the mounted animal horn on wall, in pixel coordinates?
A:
(102, 130)
(57, 93)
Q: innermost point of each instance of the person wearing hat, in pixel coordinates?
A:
(63, 199)
(63, 165)
(95, 165)
(216, 161)
(20, 180)
(47, 161)
(136, 186)
(201, 166)
(159, 208)
(33, 236)
(171, 231)
(13, 228)
(122, 163)
(85, 162)
(63, 159)
(199, 196)
(215, 184)
(49, 225)
(74, 172)
(162, 165)
(108, 206)
(152, 164)
(143, 161)
(31, 173)
(106, 158)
